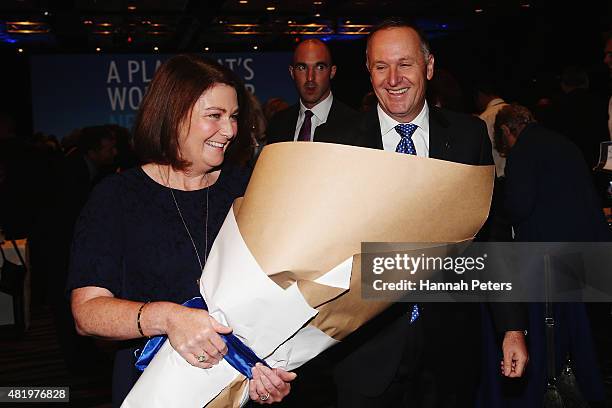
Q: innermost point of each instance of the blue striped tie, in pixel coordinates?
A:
(406, 146)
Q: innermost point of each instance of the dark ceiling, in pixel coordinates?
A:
(190, 25)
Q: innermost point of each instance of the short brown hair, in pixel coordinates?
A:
(513, 116)
(177, 85)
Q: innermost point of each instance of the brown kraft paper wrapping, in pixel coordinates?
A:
(309, 206)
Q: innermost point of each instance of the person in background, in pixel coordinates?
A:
(489, 102)
(444, 91)
(273, 106)
(550, 197)
(579, 114)
(258, 127)
(75, 177)
(608, 62)
(317, 114)
(142, 240)
(125, 158)
(368, 102)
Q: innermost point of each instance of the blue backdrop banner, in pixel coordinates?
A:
(73, 91)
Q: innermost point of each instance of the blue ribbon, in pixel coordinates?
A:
(241, 357)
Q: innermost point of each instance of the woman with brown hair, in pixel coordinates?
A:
(142, 240)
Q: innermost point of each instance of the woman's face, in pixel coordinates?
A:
(213, 125)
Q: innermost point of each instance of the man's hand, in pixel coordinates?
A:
(515, 354)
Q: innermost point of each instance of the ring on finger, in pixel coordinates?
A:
(264, 397)
(201, 358)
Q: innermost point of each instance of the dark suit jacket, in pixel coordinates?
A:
(375, 354)
(549, 191)
(282, 126)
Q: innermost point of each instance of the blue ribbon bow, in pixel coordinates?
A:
(241, 357)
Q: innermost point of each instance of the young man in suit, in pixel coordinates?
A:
(433, 360)
(318, 113)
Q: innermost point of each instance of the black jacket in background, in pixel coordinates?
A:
(282, 125)
(550, 195)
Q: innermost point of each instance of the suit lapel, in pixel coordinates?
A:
(291, 124)
(319, 133)
(369, 134)
(439, 136)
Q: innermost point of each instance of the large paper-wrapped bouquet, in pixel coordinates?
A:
(284, 271)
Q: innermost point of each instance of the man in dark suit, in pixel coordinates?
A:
(317, 114)
(550, 197)
(433, 360)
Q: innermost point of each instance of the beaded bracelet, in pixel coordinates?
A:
(138, 318)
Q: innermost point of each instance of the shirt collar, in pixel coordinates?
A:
(387, 123)
(321, 109)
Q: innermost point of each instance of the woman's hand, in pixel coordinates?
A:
(194, 334)
(269, 385)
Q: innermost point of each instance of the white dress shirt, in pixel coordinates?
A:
(420, 137)
(489, 114)
(320, 112)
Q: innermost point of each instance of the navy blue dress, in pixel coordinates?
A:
(130, 240)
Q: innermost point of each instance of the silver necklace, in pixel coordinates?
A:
(178, 209)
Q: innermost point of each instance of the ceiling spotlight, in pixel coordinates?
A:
(270, 8)
(87, 22)
(155, 48)
(255, 47)
(317, 3)
(525, 5)
(478, 10)
(347, 22)
(317, 15)
(19, 50)
(206, 49)
(243, 1)
(46, 13)
(98, 49)
(290, 22)
(131, 8)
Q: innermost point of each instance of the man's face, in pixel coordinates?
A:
(608, 55)
(312, 71)
(399, 72)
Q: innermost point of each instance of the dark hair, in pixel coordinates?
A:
(91, 137)
(513, 116)
(396, 22)
(177, 85)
